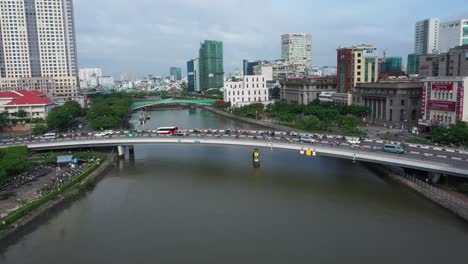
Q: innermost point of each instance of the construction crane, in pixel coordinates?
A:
(385, 54)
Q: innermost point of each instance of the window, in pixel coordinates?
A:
(402, 102)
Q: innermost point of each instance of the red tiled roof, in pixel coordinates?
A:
(23, 97)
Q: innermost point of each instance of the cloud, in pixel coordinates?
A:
(149, 36)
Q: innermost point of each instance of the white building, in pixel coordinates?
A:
(87, 73)
(106, 80)
(329, 71)
(444, 101)
(251, 89)
(426, 36)
(453, 34)
(38, 42)
(297, 49)
(33, 102)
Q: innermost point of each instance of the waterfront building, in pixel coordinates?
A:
(35, 103)
(276, 70)
(176, 72)
(37, 43)
(297, 49)
(396, 103)
(305, 90)
(211, 65)
(357, 64)
(426, 36)
(453, 34)
(248, 90)
(87, 73)
(444, 101)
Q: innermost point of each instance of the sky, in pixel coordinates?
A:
(149, 36)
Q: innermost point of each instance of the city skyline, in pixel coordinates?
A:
(108, 33)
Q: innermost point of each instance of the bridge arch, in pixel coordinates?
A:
(143, 104)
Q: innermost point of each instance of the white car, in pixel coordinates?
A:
(100, 134)
(109, 132)
(307, 139)
(354, 141)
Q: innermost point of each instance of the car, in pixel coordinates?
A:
(392, 148)
(100, 134)
(133, 134)
(353, 141)
(307, 139)
(180, 134)
(109, 132)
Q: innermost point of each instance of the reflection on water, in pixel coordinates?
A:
(207, 204)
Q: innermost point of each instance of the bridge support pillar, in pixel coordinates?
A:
(131, 152)
(121, 152)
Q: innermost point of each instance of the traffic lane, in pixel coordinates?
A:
(273, 140)
(423, 150)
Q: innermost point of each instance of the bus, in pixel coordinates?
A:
(167, 130)
(49, 136)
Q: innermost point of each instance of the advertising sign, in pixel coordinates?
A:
(442, 86)
(442, 106)
(423, 104)
(461, 95)
(370, 53)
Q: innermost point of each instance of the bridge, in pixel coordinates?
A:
(143, 104)
(453, 162)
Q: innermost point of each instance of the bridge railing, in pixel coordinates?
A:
(449, 197)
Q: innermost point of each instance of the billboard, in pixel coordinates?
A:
(442, 86)
(461, 97)
(370, 53)
(442, 106)
(423, 103)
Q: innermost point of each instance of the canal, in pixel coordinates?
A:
(206, 204)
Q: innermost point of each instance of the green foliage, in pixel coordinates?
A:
(275, 93)
(52, 195)
(3, 119)
(456, 135)
(13, 161)
(215, 92)
(21, 114)
(251, 111)
(109, 111)
(418, 140)
(39, 129)
(320, 117)
(60, 117)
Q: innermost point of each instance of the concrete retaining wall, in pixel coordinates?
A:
(252, 121)
(28, 220)
(441, 201)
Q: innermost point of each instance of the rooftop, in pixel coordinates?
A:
(24, 97)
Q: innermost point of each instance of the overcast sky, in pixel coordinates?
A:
(149, 36)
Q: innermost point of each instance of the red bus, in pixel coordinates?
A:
(167, 130)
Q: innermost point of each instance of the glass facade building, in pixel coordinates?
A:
(211, 65)
(393, 64)
(176, 72)
(413, 64)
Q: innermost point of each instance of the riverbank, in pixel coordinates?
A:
(28, 215)
(437, 197)
(251, 121)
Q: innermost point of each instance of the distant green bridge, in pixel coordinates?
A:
(207, 102)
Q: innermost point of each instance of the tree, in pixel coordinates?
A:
(275, 93)
(21, 115)
(39, 129)
(61, 117)
(3, 120)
